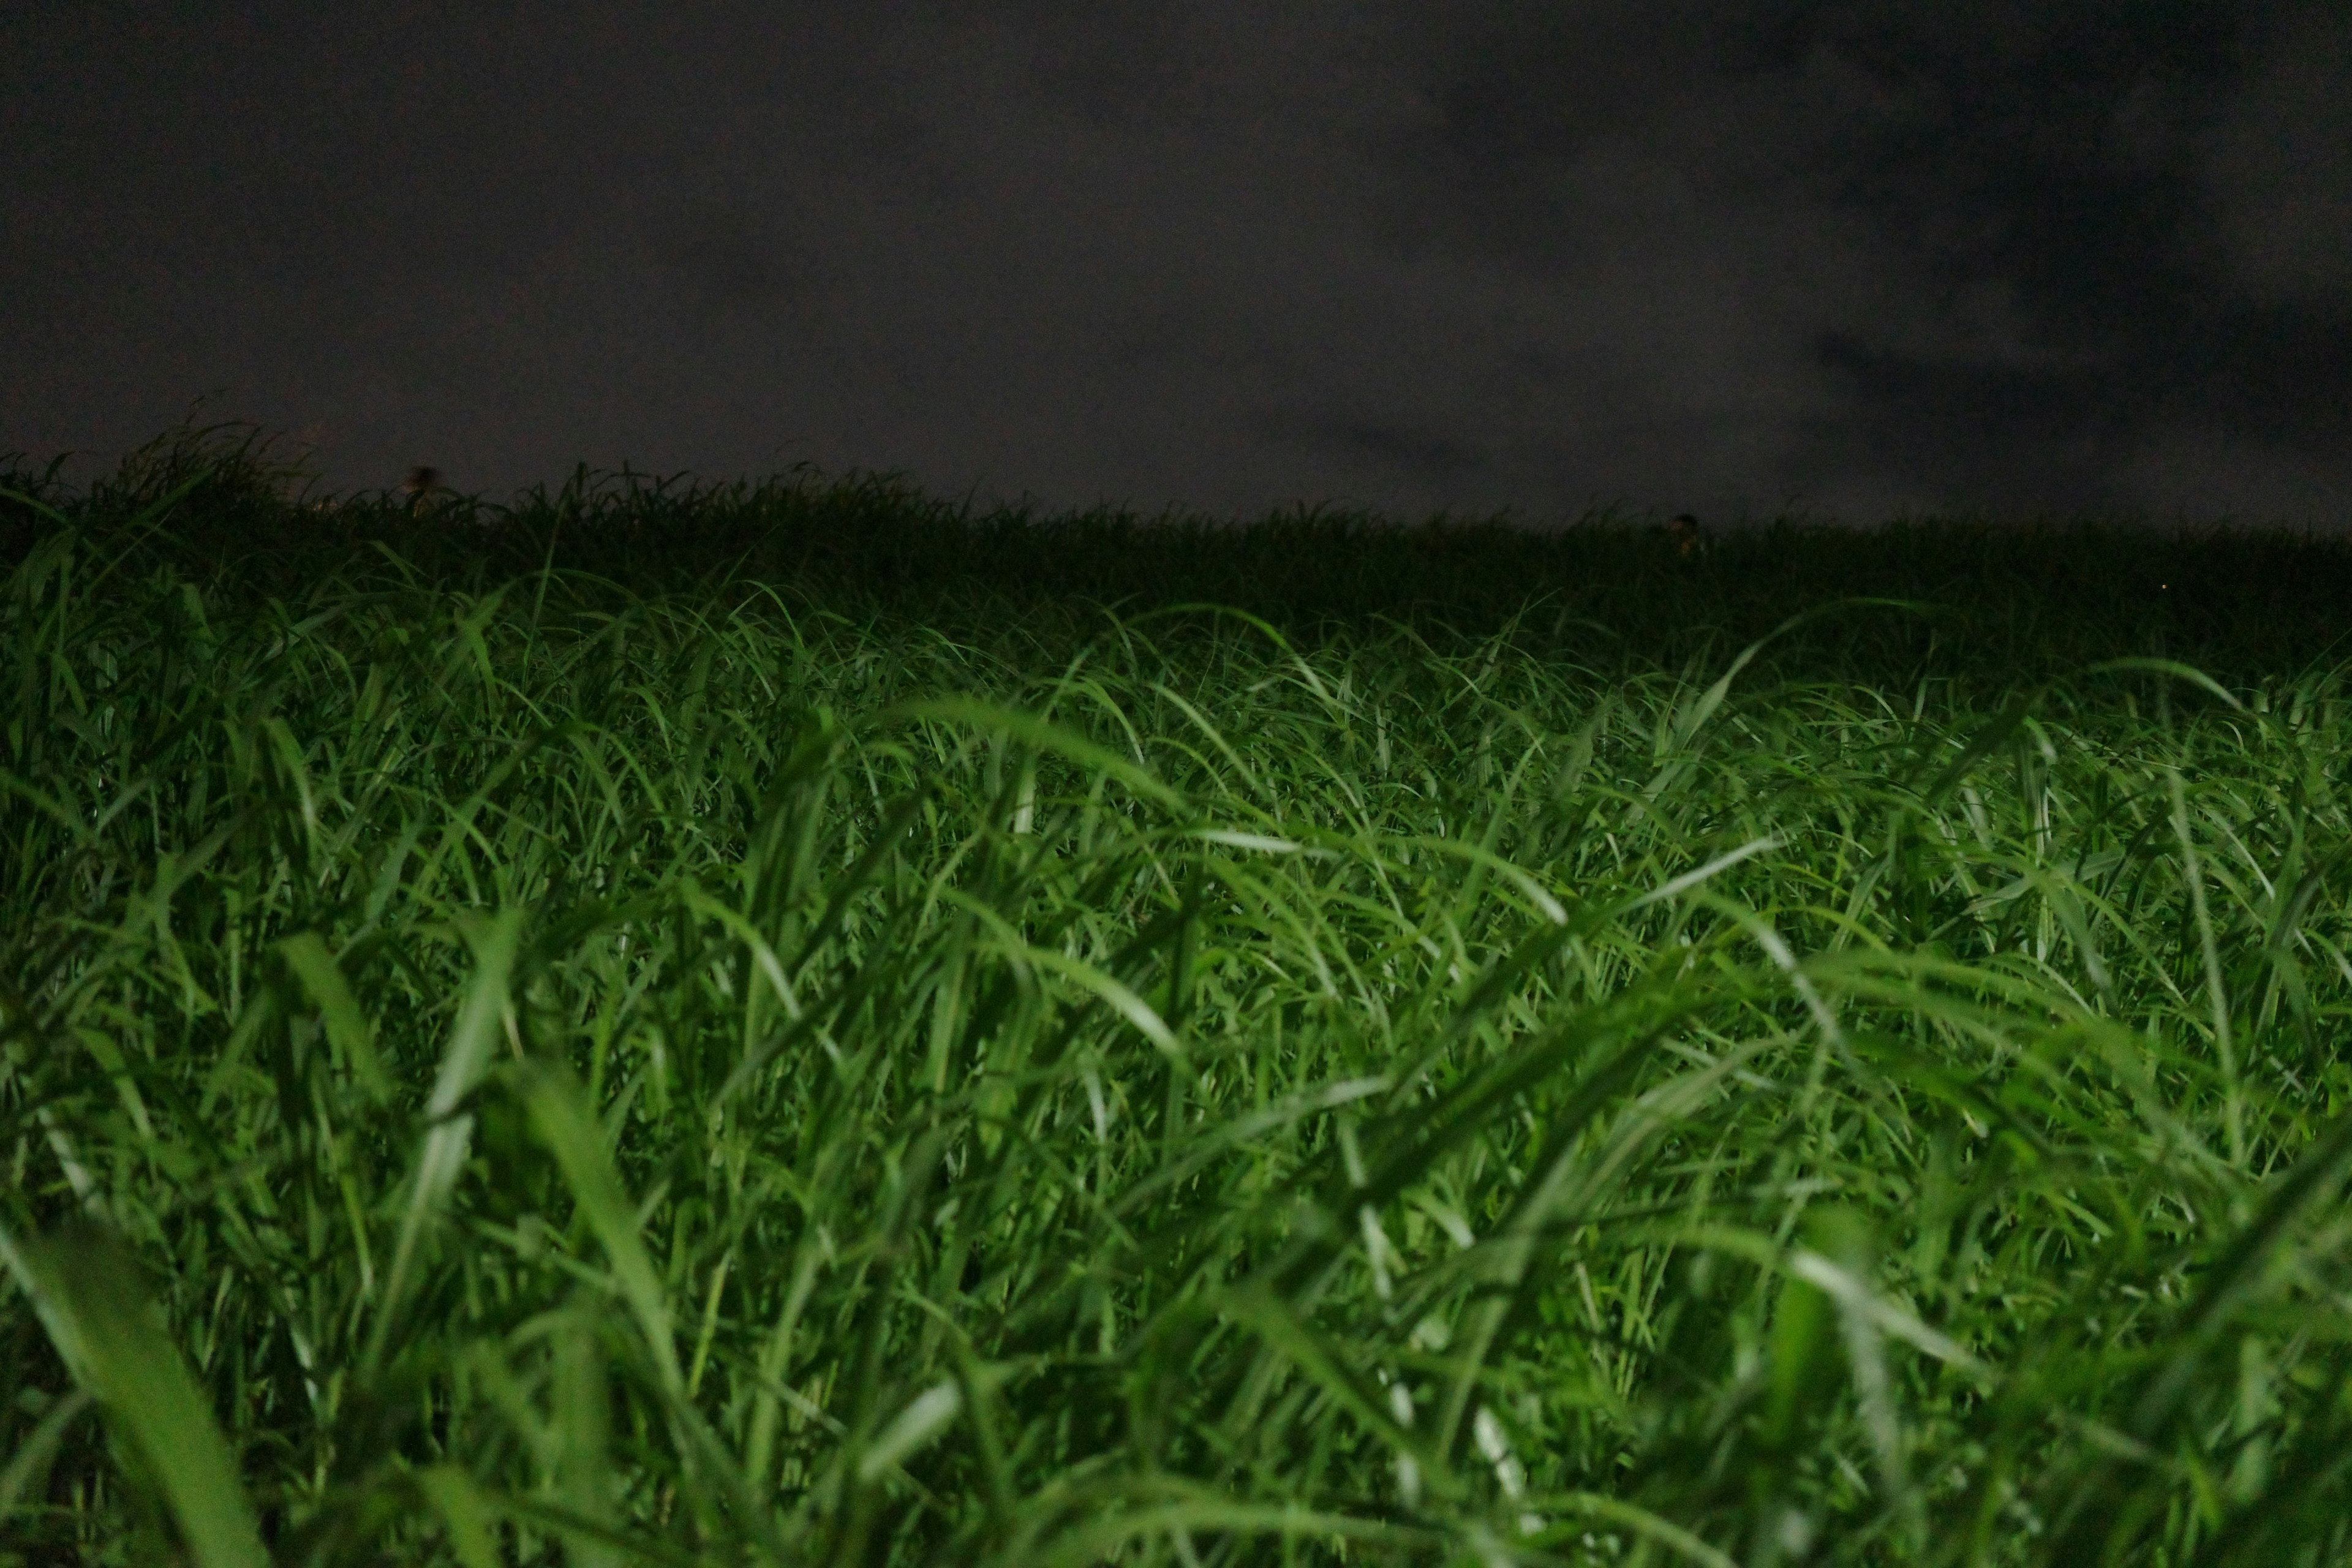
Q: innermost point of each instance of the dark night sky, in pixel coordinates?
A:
(1860, 258)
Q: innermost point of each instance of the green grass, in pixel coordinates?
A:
(771, 1027)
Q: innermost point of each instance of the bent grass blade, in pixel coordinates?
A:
(86, 1289)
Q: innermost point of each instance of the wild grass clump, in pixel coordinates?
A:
(518, 1068)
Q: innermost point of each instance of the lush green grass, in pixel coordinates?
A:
(756, 1058)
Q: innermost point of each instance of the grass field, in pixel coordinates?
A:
(785, 1028)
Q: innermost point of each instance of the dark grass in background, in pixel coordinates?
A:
(780, 1030)
(1987, 602)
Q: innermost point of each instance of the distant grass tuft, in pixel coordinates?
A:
(779, 1029)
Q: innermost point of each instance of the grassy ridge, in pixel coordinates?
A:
(1988, 606)
(809, 1064)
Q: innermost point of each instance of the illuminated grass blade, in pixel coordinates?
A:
(86, 1289)
(560, 1114)
(466, 1058)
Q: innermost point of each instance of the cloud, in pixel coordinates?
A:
(2277, 165)
(2188, 474)
(1855, 256)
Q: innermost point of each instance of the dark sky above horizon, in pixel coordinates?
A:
(1853, 258)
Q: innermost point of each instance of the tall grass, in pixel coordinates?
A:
(738, 1063)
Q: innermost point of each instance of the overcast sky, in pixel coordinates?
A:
(1856, 258)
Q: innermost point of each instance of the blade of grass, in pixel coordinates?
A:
(86, 1289)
